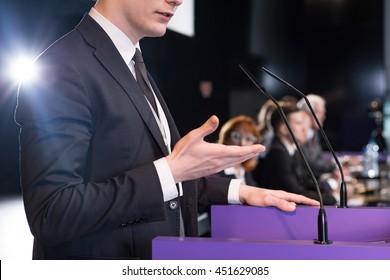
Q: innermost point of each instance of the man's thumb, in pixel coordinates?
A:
(209, 126)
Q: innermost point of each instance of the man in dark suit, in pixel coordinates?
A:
(282, 167)
(313, 147)
(99, 176)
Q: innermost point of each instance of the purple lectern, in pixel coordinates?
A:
(365, 224)
(245, 232)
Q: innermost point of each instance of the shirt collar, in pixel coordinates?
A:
(124, 45)
(239, 172)
(310, 133)
(291, 148)
(229, 171)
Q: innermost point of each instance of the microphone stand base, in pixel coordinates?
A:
(327, 242)
(340, 206)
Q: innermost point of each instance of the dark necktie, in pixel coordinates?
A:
(142, 78)
(143, 81)
(297, 163)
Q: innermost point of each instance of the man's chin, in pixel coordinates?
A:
(158, 32)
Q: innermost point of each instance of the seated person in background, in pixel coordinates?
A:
(282, 167)
(264, 120)
(323, 168)
(313, 148)
(241, 131)
(264, 124)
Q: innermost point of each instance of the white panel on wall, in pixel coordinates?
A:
(184, 20)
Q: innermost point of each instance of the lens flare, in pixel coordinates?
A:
(23, 69)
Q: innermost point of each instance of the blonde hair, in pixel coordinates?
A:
(314, 100)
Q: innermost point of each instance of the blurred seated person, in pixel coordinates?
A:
(241, 131)
(282, 167)
(322, 167)
(313, 148)
(264, 120)
(264, 123)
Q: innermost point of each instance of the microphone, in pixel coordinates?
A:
(343, 186)
(322, 220)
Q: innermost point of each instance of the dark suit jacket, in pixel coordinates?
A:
(248, 177)
(88, 141)
(279, 170)
(314, 155)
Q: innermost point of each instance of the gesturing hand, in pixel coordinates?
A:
(192, 157)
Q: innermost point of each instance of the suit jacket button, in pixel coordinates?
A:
(173, 204)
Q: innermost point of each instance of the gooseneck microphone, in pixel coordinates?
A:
(322, 220)
(343, 186)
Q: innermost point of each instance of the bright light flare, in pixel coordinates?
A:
(23, 69)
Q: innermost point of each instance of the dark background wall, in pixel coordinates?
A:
(333, 48)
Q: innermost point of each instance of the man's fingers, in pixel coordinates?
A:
(207, 128)
(297, 198)
(289, 203)
(285, 205)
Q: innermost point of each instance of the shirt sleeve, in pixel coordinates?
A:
(168, 185)
(234, 191)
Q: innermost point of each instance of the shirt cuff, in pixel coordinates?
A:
(234, 191)
(167, 182)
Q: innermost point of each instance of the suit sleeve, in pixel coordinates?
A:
(59, 118)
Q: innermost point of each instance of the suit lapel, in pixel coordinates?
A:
(109, 57)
